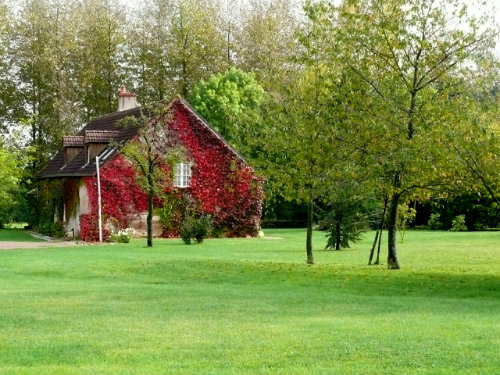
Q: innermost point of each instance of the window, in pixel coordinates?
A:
(182, 175)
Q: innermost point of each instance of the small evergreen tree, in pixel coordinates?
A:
(345, 224)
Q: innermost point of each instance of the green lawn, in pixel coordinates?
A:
(17, 235)
(252, 306)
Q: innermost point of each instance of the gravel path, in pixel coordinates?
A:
(13, 245)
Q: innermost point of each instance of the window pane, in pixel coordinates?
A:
(182, 175)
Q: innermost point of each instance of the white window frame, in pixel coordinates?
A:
(182, 175)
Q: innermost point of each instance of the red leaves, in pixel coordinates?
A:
(221, 182)
(121, 198)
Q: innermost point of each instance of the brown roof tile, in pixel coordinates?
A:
(100, 136)
(105, 127)
(73, 141)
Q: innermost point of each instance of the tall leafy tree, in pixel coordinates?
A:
(264, 38)
(99, 58)
(39, 66)
(6, 82)
(173, 44)
(148, 38)
(413, 57)
(197, 44)
(478, 148)
(301, 142)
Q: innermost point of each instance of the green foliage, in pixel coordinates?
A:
(458, 224)
(50, 209)
(345, 223)
(434, 222)
(174, 45)
(171, 213)
(195, 228)
(480, 209)
(419, 64)
(10, 173)
(231, 102)
(264, 38)
(406, 215)
(51, 229)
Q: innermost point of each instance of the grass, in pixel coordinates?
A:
(17, 235)
(252, 306)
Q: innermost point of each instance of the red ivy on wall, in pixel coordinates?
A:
(222, 184)
(121, 198)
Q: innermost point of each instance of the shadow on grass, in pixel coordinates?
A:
(379, 282)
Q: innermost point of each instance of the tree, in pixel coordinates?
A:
(99, 55)
(345, 220)
(413, 57)
(38, 59)
(148, 38)
(172, 45)
(10, 172)
(196, 46)
(479, 147)
(8, 87)
(264, 39)
(231, 102)
(300, 141)
(152, 154)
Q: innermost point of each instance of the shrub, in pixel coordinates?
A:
(186, 230)
(458, 224)
(123, 235)
(51, 229)
(434, 222)
(201, 228)
(195, 228)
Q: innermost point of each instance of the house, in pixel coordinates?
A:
(214, 179)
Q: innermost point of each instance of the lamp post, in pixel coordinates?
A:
(99, 196)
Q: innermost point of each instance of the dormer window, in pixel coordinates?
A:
(72, 145)
(98, 140)
(182, 175)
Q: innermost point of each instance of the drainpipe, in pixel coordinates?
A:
(99, 196)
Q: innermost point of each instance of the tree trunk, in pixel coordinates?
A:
(392, 255)
(309, 251)
(338, 239)
(150, 218)
(373, 249)
(381, 229)
(377, 261)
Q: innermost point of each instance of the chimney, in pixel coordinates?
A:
(126, 100)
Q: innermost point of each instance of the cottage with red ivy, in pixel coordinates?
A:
(214, 179)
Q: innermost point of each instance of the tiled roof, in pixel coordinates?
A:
(73, 141)
(105, 128)
(100, 136)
